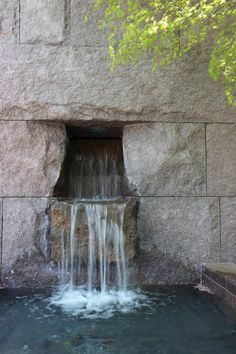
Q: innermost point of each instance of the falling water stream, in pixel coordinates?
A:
(105, 286)
(96, 169)
(93, 254)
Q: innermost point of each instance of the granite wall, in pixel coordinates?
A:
(179, 143)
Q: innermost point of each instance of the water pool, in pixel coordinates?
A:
(177, 320)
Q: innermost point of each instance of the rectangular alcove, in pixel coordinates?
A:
(93, 167)
(93, 226)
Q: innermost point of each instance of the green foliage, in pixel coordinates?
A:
(166, 30)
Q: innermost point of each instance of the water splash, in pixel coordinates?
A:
(105, 288)
(97, 304)
(93, 266)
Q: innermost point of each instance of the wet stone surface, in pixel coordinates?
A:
(60, 215)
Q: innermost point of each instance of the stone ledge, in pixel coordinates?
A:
(221, 279)
(60, 219)
(60, 81)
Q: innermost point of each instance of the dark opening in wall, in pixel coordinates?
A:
(93, 166)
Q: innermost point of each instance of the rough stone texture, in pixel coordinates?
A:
(40, 80)
(42, 21)
(25, 256)
(221, 159)
(228, 229)
(85, 32)
(31, 158)
(60, 215)
(74, 83)
(9, 21)
(165, 159)
(175, 236)
(54, 67)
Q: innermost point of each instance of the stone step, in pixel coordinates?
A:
(221, 279)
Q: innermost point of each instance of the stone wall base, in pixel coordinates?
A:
(220, 278)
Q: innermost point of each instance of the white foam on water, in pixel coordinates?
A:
(101, 262)
(96, 304)
(106, 265)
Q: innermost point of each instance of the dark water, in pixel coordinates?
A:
(178, 321)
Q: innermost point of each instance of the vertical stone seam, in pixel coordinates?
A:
(19, 20)
(1, 242)
(220, 229)
(67, 20)
(206, 156)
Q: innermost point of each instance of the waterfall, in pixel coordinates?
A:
(93, 265)
(96, 170)
(106, 234)
(106, 264)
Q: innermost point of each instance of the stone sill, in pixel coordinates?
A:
(220, 278)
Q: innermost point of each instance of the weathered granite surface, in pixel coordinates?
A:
(165, 159)
(25, 251)
(221, 159)
(228, 229)
(43, 21)
(74, 83)
(60, 216)
(55, 66)
(175, 236)
(9, 21)
(31, 158)
(86, 32)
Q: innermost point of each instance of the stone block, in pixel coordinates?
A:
(221, 159)
(86, 32)
(228, 229)
(60, 216)
(48, 82)
(164, 159)
(43, 21)
(31, 158)
(25, 251)
(176, 235)
(9, 21)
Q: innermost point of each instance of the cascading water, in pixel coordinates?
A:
(96, 170)
(94, 280)
(105, 265)
(107, 239)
